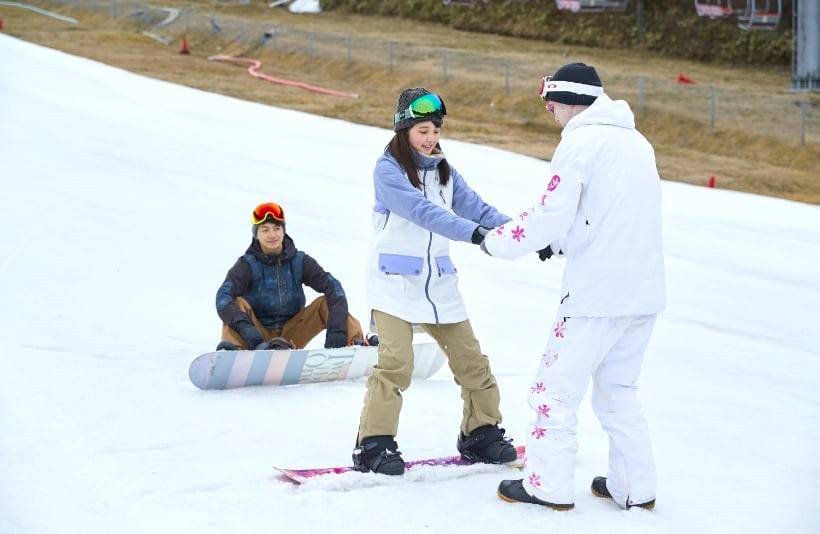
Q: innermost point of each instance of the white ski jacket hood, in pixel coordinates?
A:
(604, 111)
(601, 208)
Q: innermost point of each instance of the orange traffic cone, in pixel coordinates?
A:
(183, 47)
(712, 182)
(683, 78)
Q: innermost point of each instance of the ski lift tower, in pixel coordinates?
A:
(806, 47)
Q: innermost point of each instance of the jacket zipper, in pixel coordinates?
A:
(429, 264)
(279, 283)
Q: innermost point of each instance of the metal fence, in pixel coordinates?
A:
(789, 117)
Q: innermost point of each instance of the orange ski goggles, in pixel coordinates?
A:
(268, 210)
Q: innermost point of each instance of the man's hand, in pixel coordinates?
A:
(335, 339)
(545, 253)
(249, 334)
(479, 234)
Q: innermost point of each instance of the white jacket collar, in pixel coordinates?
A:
(428, 162)
(603, 111)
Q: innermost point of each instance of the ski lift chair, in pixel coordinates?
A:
(577, 6)
(760, 15)
(715, 9)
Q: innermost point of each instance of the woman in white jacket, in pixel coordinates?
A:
(601, 210)
(421, 204)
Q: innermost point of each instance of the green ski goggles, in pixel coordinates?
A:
(424, 106)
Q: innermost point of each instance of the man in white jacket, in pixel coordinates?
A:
(600, 209)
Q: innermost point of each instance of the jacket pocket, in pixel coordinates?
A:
(445, 265)
(400, 264)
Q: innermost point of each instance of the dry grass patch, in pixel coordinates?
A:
(687, 149)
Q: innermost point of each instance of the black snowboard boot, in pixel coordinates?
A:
(599, 489)
(370, 340)
(227, 345)
(486, 444)
(277, 343)
(379, 454)
(513, 491)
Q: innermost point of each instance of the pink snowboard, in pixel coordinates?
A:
(300, 476)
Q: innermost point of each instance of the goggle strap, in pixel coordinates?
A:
(268, 211)
(401, 115)
(267, 216)
(553, 86)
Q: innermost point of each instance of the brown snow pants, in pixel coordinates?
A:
(391, 376)
(300, 329)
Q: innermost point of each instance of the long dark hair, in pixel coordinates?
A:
(399, 147)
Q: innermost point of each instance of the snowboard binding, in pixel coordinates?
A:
(379, 454)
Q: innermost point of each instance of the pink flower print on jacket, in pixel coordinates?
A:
(544, 409)
(538, 388)
(559, 329)
(561, 398)
(518, 234)
(535, 480)
(549, 358)
(500, 230)
(550, 188)
(539, 432)
(523, 215)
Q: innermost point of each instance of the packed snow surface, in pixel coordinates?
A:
(125, 201)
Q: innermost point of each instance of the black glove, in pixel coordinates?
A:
(335, 339)
(545, 253)
(479, 234)
(249, 334)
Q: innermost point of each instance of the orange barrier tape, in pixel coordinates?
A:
(255, 65)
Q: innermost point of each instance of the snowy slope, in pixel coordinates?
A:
(125, 201)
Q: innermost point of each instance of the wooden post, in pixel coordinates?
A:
(804, 106)
(507, 78)
(639, 21)
(641, 82)
(712, 105)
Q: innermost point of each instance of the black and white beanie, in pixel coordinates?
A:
(405, 98)
(575, 84)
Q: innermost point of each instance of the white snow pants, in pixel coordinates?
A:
(610, 349)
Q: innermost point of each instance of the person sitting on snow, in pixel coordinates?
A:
(262, 300)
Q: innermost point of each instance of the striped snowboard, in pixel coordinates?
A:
(228, 369)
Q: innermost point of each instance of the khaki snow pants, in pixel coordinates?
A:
(300, 329)
(392, 374)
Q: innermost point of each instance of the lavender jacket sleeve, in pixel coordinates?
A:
(469, 204)
(395, 193)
